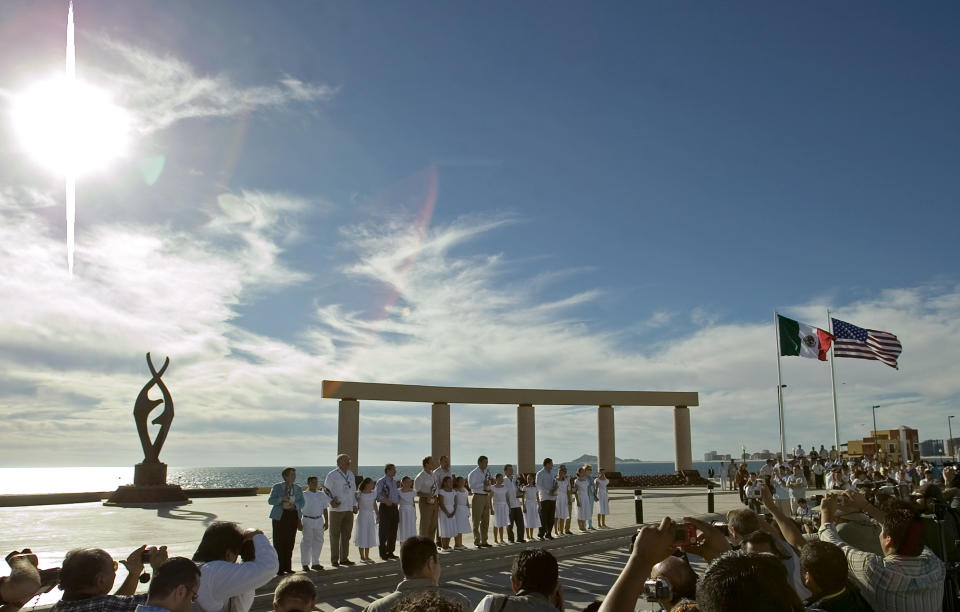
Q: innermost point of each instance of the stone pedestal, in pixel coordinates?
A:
(149, 488)
(149, 474)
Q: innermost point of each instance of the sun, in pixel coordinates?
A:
(70, 127)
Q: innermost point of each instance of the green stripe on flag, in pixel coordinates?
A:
(789, 336)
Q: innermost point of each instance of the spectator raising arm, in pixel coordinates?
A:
(791, 533)
(653, 544)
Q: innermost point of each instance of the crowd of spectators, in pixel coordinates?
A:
(883, 544)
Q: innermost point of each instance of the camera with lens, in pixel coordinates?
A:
(684, 534)
(657, 589)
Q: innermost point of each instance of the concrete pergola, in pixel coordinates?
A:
(350, 394)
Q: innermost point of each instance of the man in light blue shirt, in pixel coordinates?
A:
(547, 488)
(388, 497)
(479, 482)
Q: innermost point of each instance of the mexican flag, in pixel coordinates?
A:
(798, 338)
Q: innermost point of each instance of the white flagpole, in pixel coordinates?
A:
(833, 382)
(783, 436)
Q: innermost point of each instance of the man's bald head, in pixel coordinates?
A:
(682, 579)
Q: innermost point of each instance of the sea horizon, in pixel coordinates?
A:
(83, 479)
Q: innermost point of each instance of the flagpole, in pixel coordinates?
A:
(833, 383)
(783, 437)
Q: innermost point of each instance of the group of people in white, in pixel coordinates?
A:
(435, 503)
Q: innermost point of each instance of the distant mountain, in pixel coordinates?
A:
(593, 459)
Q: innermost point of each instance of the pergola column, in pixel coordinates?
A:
(526, 440)
(683, 456)
(348, 430)
(440, 430)
(606, 447)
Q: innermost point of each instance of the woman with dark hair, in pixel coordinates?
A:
(224, 583)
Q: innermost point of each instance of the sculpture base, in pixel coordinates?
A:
(150, 474)
(149, 488)
(139, 497)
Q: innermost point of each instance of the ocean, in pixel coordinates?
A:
(84, 479)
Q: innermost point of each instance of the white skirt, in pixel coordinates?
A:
(563, 508)
(501, 515)
(532, 518)
(603, 505)
(463, 520)
(447, 525)
(408, 523)
(365, 530)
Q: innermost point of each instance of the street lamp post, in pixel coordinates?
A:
(875, 445)
(950, 430)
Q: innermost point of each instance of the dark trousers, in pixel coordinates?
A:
(389, 522)
(818, 481)
(284, 535)
(516, 518)
(548, 508)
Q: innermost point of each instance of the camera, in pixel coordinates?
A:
(657, 590)
(722, 526)
(684, 534)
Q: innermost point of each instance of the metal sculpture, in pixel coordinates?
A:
(144, 406)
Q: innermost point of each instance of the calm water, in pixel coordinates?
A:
(82, 479)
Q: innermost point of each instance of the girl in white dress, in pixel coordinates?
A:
(603, 498)
(365, 533)
(463, 511)
(531, 507)
(408, 512)
(583, 507)
(501, 509)
(563, 500)
(447, 519)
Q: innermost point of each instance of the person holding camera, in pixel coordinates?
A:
(907, 577)
(535, 580)
(225, 583)
(25, 580)
(88, 575)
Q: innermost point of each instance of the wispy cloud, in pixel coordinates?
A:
(72, 350)
(162, 89)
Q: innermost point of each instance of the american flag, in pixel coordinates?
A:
(860, 343)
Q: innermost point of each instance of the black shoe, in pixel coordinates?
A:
(306, 568)
(548, 536)
(521, 541)
(317, 567)
(347, 562)
(540, 537)
(335, 564)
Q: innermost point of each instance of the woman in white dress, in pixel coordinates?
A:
(501, 509)
(408, 512)
(563, 500)
(365, 532)
(531, 507)
(603, 498)
(583, 508)
(463, 511)
(447, 519)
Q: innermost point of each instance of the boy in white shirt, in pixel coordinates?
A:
(313, 524)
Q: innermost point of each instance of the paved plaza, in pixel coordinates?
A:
(589, 563)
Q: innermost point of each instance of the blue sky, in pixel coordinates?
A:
(607, 196)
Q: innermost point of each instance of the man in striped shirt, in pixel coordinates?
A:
(908, 577)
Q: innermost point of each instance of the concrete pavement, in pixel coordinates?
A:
(589, 562)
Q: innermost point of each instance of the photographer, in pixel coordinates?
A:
(223, 580)
(907, 577)
(88, 575)
(23, 582)
(673, 582)
(744, 522)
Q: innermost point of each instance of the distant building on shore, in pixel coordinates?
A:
(932, 448)
(900, 445)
